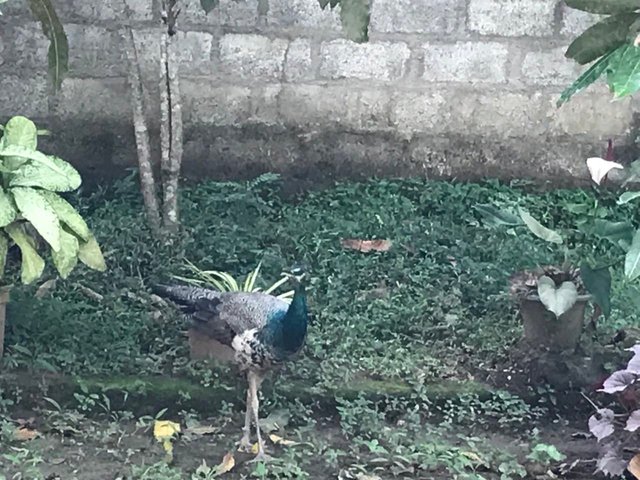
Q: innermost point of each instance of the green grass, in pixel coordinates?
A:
(444, 279)
(403, 321)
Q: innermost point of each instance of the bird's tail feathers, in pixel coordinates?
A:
(184, 293)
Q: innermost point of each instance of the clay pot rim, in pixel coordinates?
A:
(581, 298)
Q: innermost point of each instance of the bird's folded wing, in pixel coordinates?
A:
(233, 313)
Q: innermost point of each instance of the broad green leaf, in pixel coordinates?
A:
(57, 166)
(58, 55)
(354, 16)
(557, 300)
(21, 132)
(618, 233)
(497, 217)
(632, 259)
(624, 79)
(32, 263)
(598, 283)
(68, 215)
(66, 258)
(538, 229)
(8, 211)
(32, 174)
(35, 208)
(604, 6)
(4, 248)
(593, 73)
(601, 38)
(627, 197)
(90, 254)
(209, 5)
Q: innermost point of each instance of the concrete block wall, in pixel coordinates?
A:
(461, 88)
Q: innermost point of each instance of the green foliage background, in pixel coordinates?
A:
(441, 288)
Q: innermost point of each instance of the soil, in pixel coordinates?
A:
(104, 447)
(102, 452)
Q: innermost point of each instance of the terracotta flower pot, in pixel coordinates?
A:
(542, 328)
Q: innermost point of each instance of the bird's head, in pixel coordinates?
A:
(297, 274)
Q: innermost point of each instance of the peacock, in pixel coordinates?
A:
(255, 330)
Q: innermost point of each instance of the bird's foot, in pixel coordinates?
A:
(261, 457)
(244, 445)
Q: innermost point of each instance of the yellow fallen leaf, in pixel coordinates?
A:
(165, 429)
(24, 434)
(281, 441)
(228, 462)
(255, 448)
(168, 447)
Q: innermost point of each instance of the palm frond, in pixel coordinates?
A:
(250, 281)
(224, 282)
(277, 284)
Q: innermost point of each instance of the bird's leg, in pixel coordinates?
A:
(245, 441)
(254, 384)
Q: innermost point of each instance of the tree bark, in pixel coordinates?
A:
(165, 121)
(147, 181)
(170, 182)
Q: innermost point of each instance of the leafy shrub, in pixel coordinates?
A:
(31, 209)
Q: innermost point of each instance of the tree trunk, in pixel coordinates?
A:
(170, 182)
(147, 182)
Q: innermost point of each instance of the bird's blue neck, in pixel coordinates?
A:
(286, 333)
(295, 321)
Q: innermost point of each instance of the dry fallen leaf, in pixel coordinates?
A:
(45, 288)
(634, 466)
(255, 448)
(203, 430)
(24, 434)
(366, 245)
(281, 441)
(228, 462)
(636, 42)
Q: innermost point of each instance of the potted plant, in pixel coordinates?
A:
(32, 214)
(552, 302)
(552, 299)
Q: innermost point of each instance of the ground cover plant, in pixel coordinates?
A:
(386, 384)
